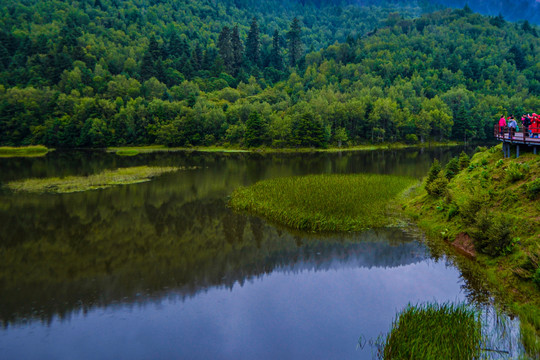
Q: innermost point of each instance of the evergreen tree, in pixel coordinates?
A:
(153, 48)
(237, 50)
(295, 43)
(276, 60)
(309, 132)
(225, 47)
(253, 44)
(175, 46)
(147, 66)
(254, 134)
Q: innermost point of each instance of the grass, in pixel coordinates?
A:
(127, 152)
(435, 331)
(323, 202)
(102, 180)
(23, 151)
(134, 150)
(502, 190)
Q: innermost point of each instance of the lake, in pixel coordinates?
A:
(165, 270)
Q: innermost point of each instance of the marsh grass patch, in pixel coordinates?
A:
(435, 331)
(323, 202)
(105, 179)
(23, 151)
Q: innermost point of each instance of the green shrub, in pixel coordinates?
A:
(438, 187)
(499, 163)
(464, 160)
(411, 139)
(471, 207)
(453, 210)
(452, 168)
(480, 149)
(434, 171)
(516, 172)
(533, 189)
(493, 234)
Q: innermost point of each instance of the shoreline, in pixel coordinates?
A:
(503, 274)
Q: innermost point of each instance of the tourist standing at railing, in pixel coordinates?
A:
(502, 125)
(512, 126)
(535, 126)
(526, 121)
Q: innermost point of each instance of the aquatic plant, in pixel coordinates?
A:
(323, 202)
(127, 152)
(102, 180)
(435, 331)
(9, 151)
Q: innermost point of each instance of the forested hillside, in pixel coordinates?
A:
(279, 73)
(514, 10)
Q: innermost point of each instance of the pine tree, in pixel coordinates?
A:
(225, 47)
(153, 48)
(253, 44)
(276, 60)
(175, 46)
(295, 43)
(237, 50)
(254, 130)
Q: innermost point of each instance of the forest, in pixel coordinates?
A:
(244, 73)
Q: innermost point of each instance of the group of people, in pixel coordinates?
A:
(530, 123)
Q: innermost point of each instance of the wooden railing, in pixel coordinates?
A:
(522, 135)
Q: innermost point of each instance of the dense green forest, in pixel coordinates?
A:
(280, 73)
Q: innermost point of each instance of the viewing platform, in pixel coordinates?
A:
(519, 138)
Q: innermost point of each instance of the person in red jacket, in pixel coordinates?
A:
(535, 126)
(502, 126)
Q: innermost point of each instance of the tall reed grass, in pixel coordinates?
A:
(102, 180)
(435, 331)
(36, 150)
(323, 202)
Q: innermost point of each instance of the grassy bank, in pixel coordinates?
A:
(433, 331)
(102, 180)
(134, 150)
(490, 207)
(23, 151)
(322, 202)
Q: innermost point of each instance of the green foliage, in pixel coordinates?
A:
(435, 331)
(493, 234)
(102, 180)
(533, 189)
(471, 206)
(25, 151)
(308, 131)
(452, 168)
(536, 278)
(152, 72)
(464, 160)
(322, 202)
(254, 134)
(434, 171)
(515, 172)
(438, 187)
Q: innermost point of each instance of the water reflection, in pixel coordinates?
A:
(168, 255)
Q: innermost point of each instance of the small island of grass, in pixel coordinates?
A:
(323, 202)
(23, 151)
(105, 179)
(435, 331)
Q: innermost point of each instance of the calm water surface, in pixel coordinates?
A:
(164, 270)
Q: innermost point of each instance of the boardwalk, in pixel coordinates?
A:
(519, 138)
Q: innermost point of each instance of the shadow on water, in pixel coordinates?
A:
(62, 254)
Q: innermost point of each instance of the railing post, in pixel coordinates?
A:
(517, 151)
